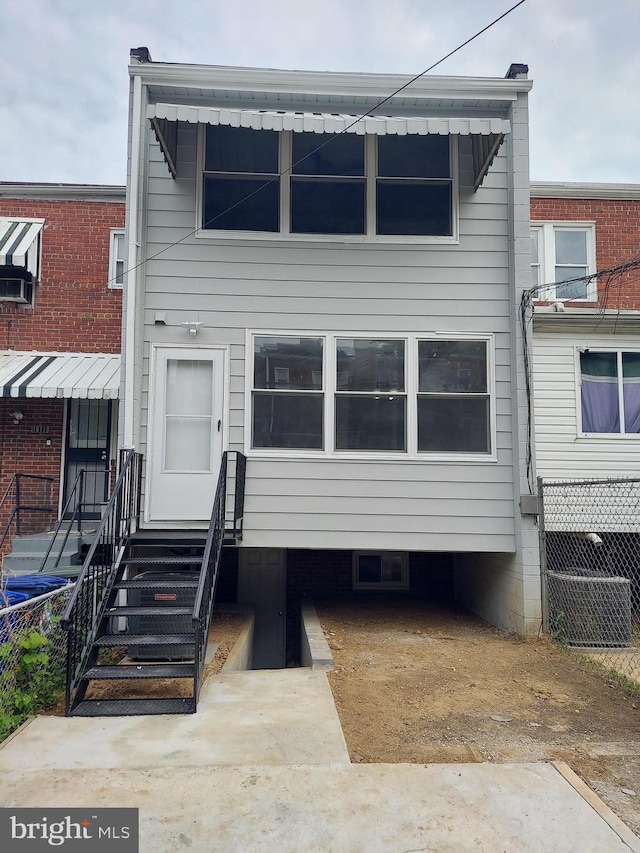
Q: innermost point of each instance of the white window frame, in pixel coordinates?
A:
(402, 584)
(604, 436)
(547, 257)
(329, 365)
(114, 260)
(370, 236)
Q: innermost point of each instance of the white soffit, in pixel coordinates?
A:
(93, 376)
(303, 122)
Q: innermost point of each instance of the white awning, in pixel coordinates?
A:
(487, 133)
(20, 244)
(302, 122)
(60, 374)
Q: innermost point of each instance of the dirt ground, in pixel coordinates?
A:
(418, 684)
(224, 631)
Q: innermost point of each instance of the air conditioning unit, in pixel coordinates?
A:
(162, 597)
(588, 609)
(14, 289)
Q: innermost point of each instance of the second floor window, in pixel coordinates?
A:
(117, 258)
(343, 184)
(562, 257)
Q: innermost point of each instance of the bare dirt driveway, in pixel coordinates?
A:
(418, 684)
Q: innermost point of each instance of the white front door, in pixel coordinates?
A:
(185, 442)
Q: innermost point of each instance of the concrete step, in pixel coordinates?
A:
(28, 563)
(39, 542)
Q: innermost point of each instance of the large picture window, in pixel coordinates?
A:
(399, 396)
(311, 183)
(610, 392)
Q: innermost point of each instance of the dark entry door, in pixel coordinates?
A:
(88, 437)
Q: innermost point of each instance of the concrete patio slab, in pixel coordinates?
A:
(485, 808)
(263, 766)
(260, 717)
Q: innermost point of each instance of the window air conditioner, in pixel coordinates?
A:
(16, 290)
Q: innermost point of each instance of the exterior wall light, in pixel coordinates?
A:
(192, 326)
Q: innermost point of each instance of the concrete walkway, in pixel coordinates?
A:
(263, 766)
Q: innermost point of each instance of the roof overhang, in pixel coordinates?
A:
(94, 376)
(20, 245)
(487, 133)
(202, 80)
(550, 318)
(552, 189)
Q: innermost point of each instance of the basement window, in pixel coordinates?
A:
(380, 570)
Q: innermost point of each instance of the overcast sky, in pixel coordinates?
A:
(64, 83)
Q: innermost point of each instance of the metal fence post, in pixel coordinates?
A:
(543, 557)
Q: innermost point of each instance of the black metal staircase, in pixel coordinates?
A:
(142, 606)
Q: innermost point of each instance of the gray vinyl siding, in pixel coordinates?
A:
(561, 452)
(232, 285)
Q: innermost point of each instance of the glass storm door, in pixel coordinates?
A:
(87, 449)
(185, 447)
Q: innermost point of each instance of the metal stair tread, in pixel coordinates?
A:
(132, 707)
(163, 561)
(159, 583)
(145, 670)
(152, 610)
(145, 640)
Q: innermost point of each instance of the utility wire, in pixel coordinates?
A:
(328, 141)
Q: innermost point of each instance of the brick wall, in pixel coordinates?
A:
(74, 308)
(617, 239)
(29, 453)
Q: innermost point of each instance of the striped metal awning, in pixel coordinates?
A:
(488, 133)
(60, 374)
(20, 244)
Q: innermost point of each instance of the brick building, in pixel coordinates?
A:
(586, 323)
(609, 217)
(61, 273)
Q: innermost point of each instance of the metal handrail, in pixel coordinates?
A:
(18, 506)
(203, 604)
(64, 519)
(88, 601)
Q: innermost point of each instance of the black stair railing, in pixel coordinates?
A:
(88, 601)
(203, 604)
(66, 522)
(28, 495)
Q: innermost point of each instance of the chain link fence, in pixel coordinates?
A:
(590, 552)
(33, 651)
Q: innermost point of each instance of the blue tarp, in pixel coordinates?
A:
(34, 585)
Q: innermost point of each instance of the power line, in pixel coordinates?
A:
(358, 119)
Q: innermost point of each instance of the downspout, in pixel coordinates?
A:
(132, 264)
